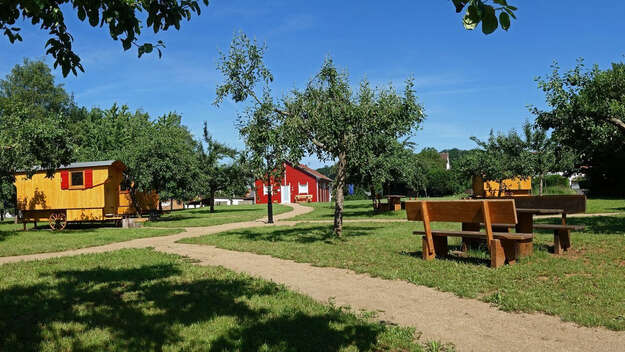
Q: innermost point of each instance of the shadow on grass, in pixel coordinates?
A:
(6, 234)
(145, 309)
(463, 259)
(309, 234)
(594, 224)
(202, 213)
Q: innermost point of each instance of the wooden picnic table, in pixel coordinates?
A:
(525, 216)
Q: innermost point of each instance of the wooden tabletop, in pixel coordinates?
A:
(540, 211)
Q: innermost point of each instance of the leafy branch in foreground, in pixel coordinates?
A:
(122, 17)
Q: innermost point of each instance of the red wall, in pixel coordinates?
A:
(293, 176)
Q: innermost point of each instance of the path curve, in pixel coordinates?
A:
(470, 324)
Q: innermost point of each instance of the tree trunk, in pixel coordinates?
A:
(373, 197)
(211, 201)
(269, 204)
(339, 186)
(500, 188)
(540, 185)
(133, 199)
(160, 206)
(171, 204)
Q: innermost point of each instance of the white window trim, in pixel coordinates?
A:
(265, 190)
(300, 188)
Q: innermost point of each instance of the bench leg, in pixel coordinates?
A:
(526, 248)
(426, 251)
(440, 246)
(497, 254)
(561, 241)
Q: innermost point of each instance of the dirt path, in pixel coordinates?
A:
(470, 324)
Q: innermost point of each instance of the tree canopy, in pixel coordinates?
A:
(586, 113)
(34, 111)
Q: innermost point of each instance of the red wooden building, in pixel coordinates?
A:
(299, 183)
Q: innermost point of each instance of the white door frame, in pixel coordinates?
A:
(285, 194)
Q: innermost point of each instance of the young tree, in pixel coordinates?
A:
(216, 174)
(123, 19)
(327, 118)
(544, 154)
(501, 157)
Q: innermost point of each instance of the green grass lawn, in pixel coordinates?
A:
(141, 300)
(586, 285)
(14, 241)
(223, 214)
(363, 209)
(605, 205)
(353, 209)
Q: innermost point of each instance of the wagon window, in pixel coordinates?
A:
(77, 179)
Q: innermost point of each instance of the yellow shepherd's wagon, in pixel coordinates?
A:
(79, 192)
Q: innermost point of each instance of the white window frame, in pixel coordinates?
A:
(266, 190)
(300, 188)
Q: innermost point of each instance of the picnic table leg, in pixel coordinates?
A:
(561, 238)
(525, 224)
(440, 246)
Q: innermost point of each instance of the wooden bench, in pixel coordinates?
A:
(561, 235)
(303, 198)
(504, 247)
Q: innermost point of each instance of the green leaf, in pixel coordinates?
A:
(504, 20)
(471, 18)
(489, 20)
(501, 2)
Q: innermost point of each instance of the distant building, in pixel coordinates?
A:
(299, 183)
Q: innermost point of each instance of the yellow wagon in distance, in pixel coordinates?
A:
(84, 191)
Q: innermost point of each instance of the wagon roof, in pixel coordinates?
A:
(83, 164)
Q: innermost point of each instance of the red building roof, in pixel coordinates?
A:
(314, 173)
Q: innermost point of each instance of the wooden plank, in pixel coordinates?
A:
(428, 229)
(488, 226)
(559, 227)
(469, 211)
(569, 203)
(477, 234)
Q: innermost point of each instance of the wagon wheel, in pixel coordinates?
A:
(57, 221)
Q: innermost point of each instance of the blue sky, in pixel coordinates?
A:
(467, 82)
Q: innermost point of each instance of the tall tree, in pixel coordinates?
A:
(544, 154)
(33, 117)
(123, 19)
(339, 124)
(160, 154)
(586, 112)
(327, 118)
